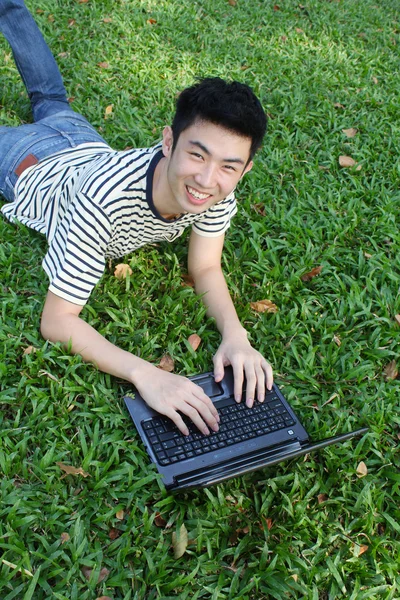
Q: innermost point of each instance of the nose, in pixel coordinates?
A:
(207, 177)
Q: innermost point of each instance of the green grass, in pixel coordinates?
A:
(297, 210)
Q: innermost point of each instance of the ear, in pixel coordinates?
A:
(167, 142)
(247, 168)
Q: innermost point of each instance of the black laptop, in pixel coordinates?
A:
(248, 438)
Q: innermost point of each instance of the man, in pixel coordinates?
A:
(92, 203)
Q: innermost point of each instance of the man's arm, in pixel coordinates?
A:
(204, 265)
(164, 392)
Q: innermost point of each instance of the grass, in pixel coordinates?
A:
(306, 529)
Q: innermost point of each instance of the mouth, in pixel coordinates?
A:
(197, 197)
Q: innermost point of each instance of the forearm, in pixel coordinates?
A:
(211, 284)
(91, 345)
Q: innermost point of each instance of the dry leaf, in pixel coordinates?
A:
(188, 280)
(264, 306)
(391, 371)
(83, 1)
(72, 470)
(350, 133)
(49, 375)
(151, 21)
(64, 537)
(166, 363)
(13, 566)
(259, 207)
(276, 7)
(103, 65)
(30, 350)
(39, 11)
(337, 340)
(397, 317)
(295, 577)
(232, 2)
(107, 20)
(322, 498)
(122, 271)
(374, 79)
(194, 340)
(284, 38)
(362, 470)
(298, 30)
(87, 572)
(362, 549)
(180, 542)
(313, 273)
(120, 515)
(367, 255)
(338, 105)
(159, 520)
(346, 161)
(114, 533)
(71, 22)
(104, 598)
(244, 67)
(269, 522)
(51, 18)
(108, 111)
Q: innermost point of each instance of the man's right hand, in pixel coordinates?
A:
(168, 393)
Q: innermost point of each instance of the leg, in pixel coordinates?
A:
(35, 62)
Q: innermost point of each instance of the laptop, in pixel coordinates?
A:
(248, 438)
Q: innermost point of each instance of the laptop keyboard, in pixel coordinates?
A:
(238, 423)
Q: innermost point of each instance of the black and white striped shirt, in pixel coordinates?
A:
(94, 203)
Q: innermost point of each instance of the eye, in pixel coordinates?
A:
(196, 155)
(230, 168)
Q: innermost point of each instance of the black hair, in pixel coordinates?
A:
(231, 105)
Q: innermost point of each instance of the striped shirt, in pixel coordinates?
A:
(94, 203)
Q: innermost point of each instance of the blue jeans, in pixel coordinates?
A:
(56, 126)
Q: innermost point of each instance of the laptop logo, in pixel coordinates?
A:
(290, 432)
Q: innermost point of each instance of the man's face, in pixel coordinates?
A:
(205, 166)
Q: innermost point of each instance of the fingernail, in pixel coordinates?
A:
(237, 398)
(216, 428)
(186, 432)
(217, 418)
(206, 431)
(249, 402)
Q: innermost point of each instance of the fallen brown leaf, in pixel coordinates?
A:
(322, 498)
(351, 132)
(188, 280)
(167, 363)
(72, 470)
(104, 598)
(51, 18)
(397, 317)
(30, 350)
(194, 340)
(122, 271)
(295, 577)
(338, 105)
(64, 537)
(259, 207)
(284, 38)
(311, 274)
(120, 515)
(362, 549)
(232, 2)
(47, 374)
(151, 21)
(159, 520)
(299, 30)
(337, 340)
(107, 20)
(108, 111)
(276, 7)
(83, 1)
(180, 542)
(367, 255)
(103, 65)
(375, 80)
(87, 572)
(391, 371)
(264, 306)
(269, 522)
(346, 161)
(114, 533)
(71, 22)
(362, 470)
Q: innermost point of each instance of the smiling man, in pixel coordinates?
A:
(93, 203)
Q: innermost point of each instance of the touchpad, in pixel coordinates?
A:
(210, 387)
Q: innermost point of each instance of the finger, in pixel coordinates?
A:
(238, 379)
(219, 370)
(177, 420)
(260, 384)
(194, 415)
(251, 382)
(268, 375)
(207, 411)
(201, 395)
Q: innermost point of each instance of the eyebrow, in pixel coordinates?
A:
(206, 151)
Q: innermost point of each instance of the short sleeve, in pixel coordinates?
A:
(216, 220)
(75, 260)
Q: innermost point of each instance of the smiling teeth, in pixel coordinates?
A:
(197, 194)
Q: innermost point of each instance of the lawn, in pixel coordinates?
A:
(325, 526)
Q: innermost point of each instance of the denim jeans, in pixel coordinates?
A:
(56, 126)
